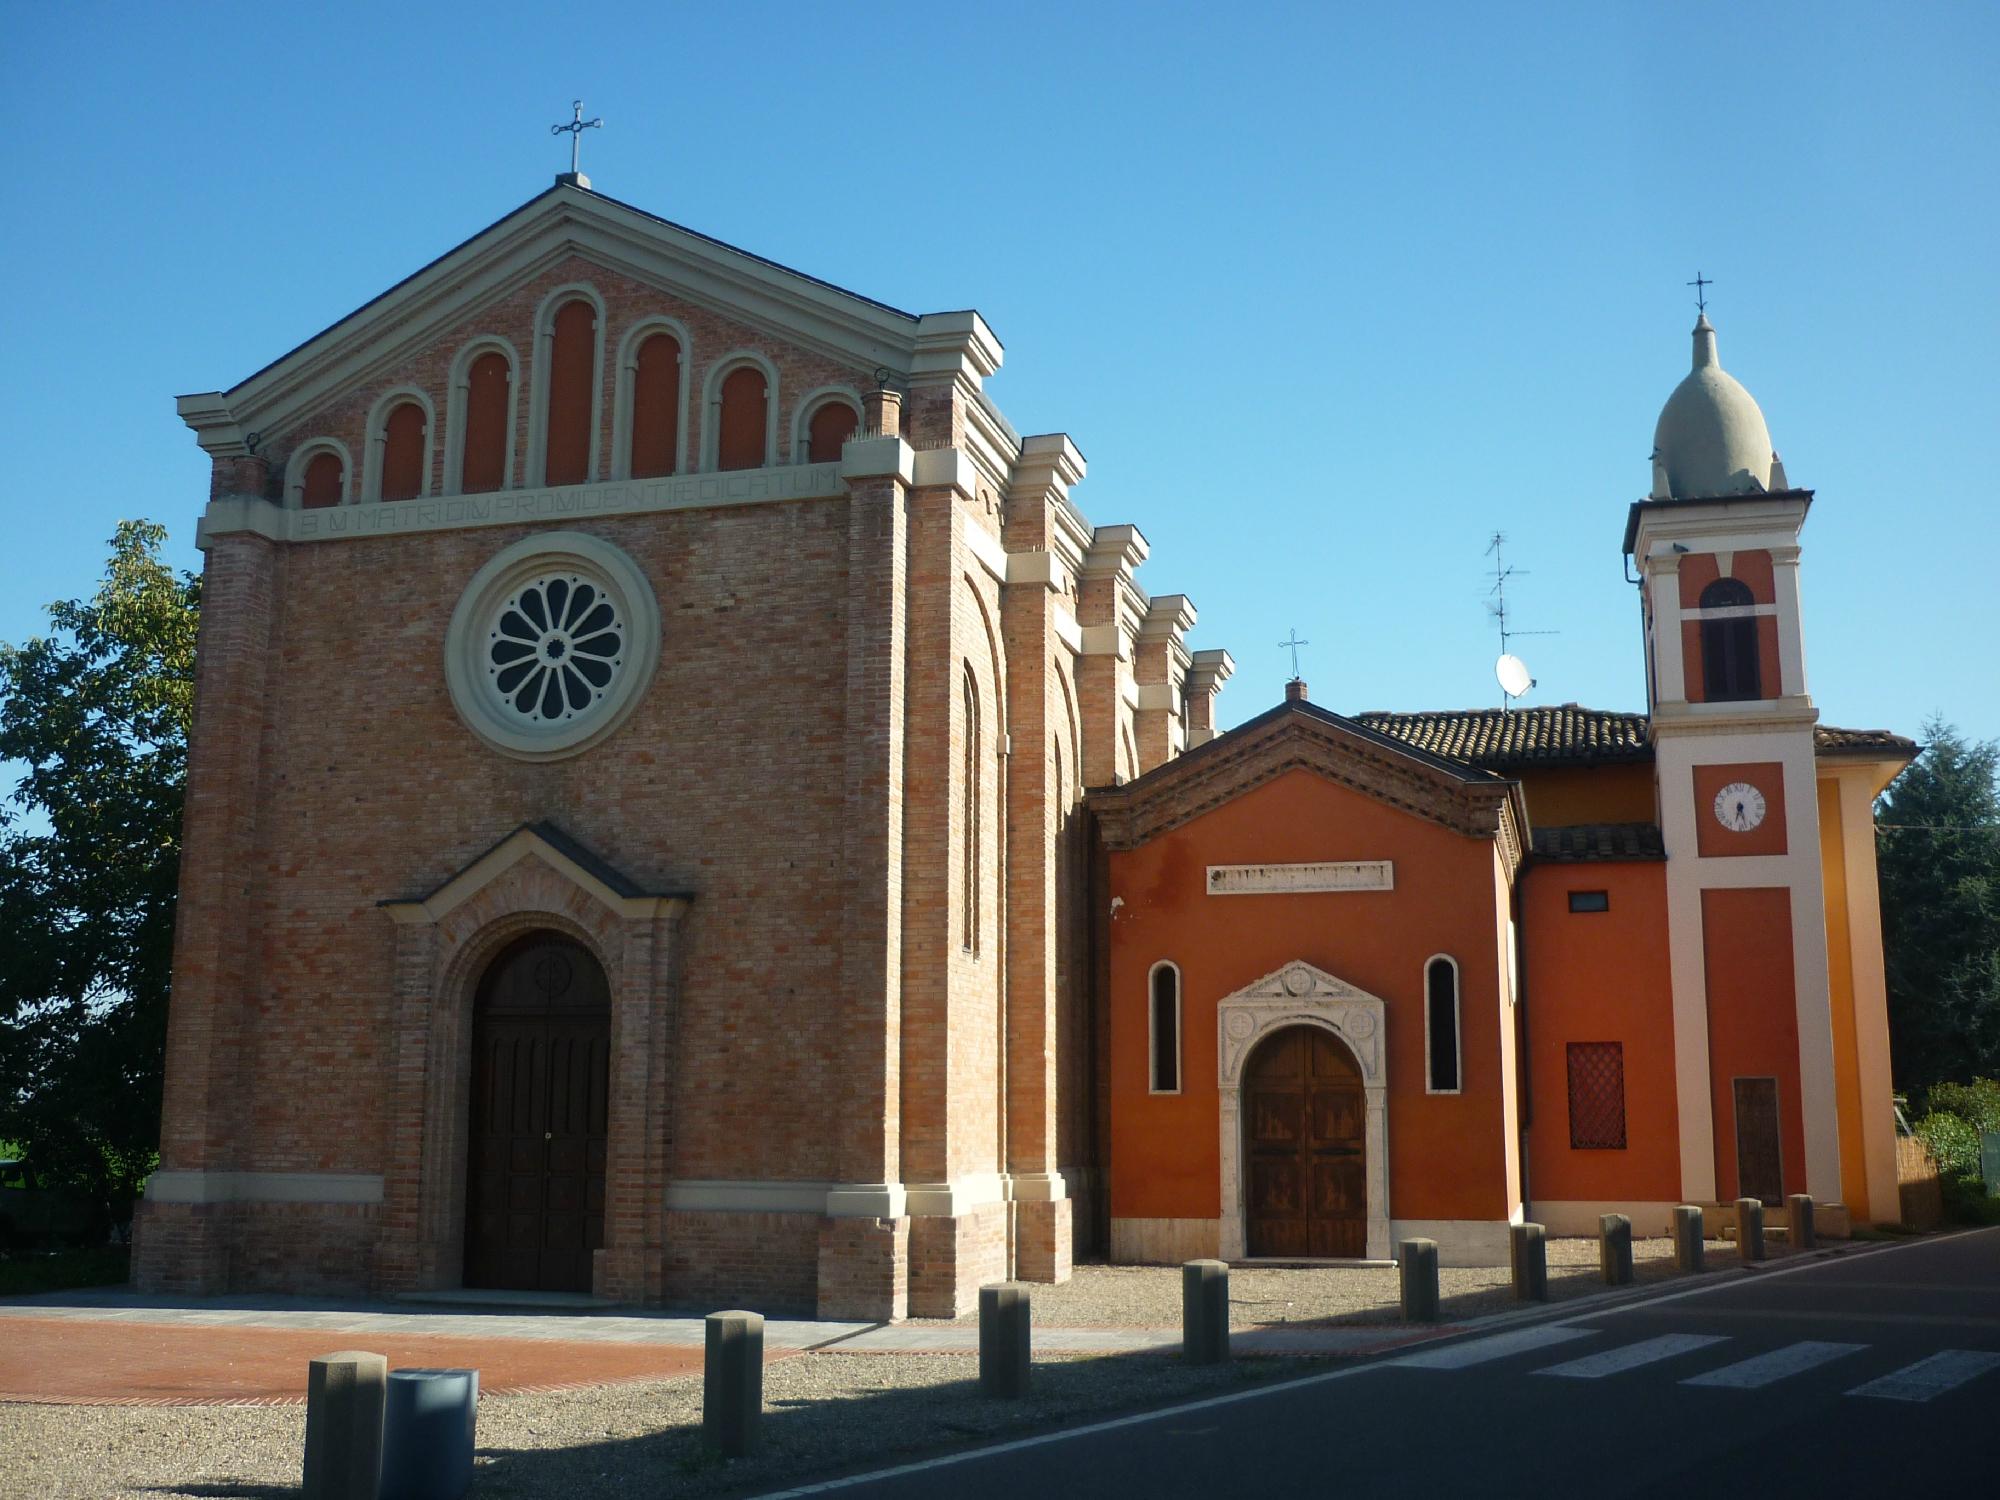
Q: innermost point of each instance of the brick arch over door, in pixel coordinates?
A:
(444, 945)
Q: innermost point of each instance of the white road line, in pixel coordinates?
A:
(1944, 1371)
(1765, 1369)
(1499, 1346)
(1632, 1356)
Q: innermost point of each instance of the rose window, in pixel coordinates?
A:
(555, 648)
(552, 646)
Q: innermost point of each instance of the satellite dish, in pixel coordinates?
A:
(1513, 675)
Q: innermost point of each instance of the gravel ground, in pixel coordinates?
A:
(1150, 1296)
(824, 1412)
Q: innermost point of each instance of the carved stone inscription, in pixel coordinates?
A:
(1259, 880)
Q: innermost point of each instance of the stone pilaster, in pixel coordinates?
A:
(1160, 664)
(1207, 672)
(1109, 606)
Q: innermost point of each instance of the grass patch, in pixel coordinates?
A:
(27, 1271)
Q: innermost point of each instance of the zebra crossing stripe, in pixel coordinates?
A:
(1632, 1356)
(1496, 1346)
(1944, 1371)
(1764, 1369)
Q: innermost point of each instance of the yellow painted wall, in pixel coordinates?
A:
(1840, 993)
(1596, 794)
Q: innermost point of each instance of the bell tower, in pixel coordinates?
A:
(1716, 545)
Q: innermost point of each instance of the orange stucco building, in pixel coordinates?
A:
(1431, 974)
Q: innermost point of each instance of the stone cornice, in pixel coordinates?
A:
(1296, 737)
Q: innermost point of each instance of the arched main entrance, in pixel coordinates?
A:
(1305, 1148)
(541, 1045)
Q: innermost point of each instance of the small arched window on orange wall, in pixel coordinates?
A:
(325, 481)
(656, 406)
(1164, 1026)
(488, 406)
(831, 426)
(403, 452)
(740, 424)
(572, 354)
(1729, 670)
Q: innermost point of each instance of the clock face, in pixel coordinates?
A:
(1739, 807)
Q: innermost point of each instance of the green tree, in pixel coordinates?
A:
(96, 714)
(1938, 847)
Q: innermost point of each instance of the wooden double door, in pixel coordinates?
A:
(540, 1078)
(1305, 1148)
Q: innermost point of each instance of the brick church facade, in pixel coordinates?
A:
(633, 842)
(683, 806)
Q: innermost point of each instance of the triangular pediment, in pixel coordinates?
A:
(1300, 736)
(551, 847)
(567, 221)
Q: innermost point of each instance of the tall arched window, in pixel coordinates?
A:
(325, 481)
(970, 857)
(740, 423)
(572, 358)
(1729, 671)
(403, 451)
(1164, 1027)
(831, 426)
(489, 407)
(1441, 1025)
(656, 406)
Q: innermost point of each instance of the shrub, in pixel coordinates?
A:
(1977, 1102)
(1953, 1140)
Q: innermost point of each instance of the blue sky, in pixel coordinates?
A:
(1325, 294)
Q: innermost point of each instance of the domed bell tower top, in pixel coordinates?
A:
(1711, 440)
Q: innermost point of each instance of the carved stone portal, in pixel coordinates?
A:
(1301, 995)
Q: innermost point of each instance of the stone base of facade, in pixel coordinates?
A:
(204, 1249)
(951, 1258)
(864, 1269)
(1463, 1242)
(1164, 1242)
(1042, 1240)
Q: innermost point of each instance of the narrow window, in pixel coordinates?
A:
(1441, 1029)
(487, 408)
(970, 859)
(1597, 1096)
(739, 442)
(572, 353)
(1729, 646)
(656, 407)
(1590, 901)
(325, 481)
(403, 452)
(1166, 1026)
(831, 426)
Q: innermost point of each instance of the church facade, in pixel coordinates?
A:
(1404, 974)
(683, 806)
(634, 837)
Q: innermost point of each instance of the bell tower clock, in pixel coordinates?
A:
(1716, 547)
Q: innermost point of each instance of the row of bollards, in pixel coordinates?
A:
(373, 1433)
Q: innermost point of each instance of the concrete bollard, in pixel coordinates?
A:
(732, 1383)
(1750, 1229)
(344, 1395)
(1688, 1245)
(1205, 1312)
(1004, 1352)
(427, 1434)
(1528, 1249)
(1805, 1234)
(1614, 1249)
(1419, 1260)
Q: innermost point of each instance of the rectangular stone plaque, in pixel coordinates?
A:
(1265, 880)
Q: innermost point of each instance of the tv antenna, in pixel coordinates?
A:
(1510, 671)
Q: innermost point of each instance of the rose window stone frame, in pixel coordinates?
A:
(552, 645)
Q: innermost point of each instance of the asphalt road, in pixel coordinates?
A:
(1871, 1373)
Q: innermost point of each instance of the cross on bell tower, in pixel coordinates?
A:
(574, 129)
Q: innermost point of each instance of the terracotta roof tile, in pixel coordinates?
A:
(1565, 734)
(1830, 741)
(1573, 842)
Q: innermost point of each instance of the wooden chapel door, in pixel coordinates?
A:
(1305, 1140)
(1760, 1168)
(540, 1075)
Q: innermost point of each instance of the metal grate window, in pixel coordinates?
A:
(1597, 1096)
